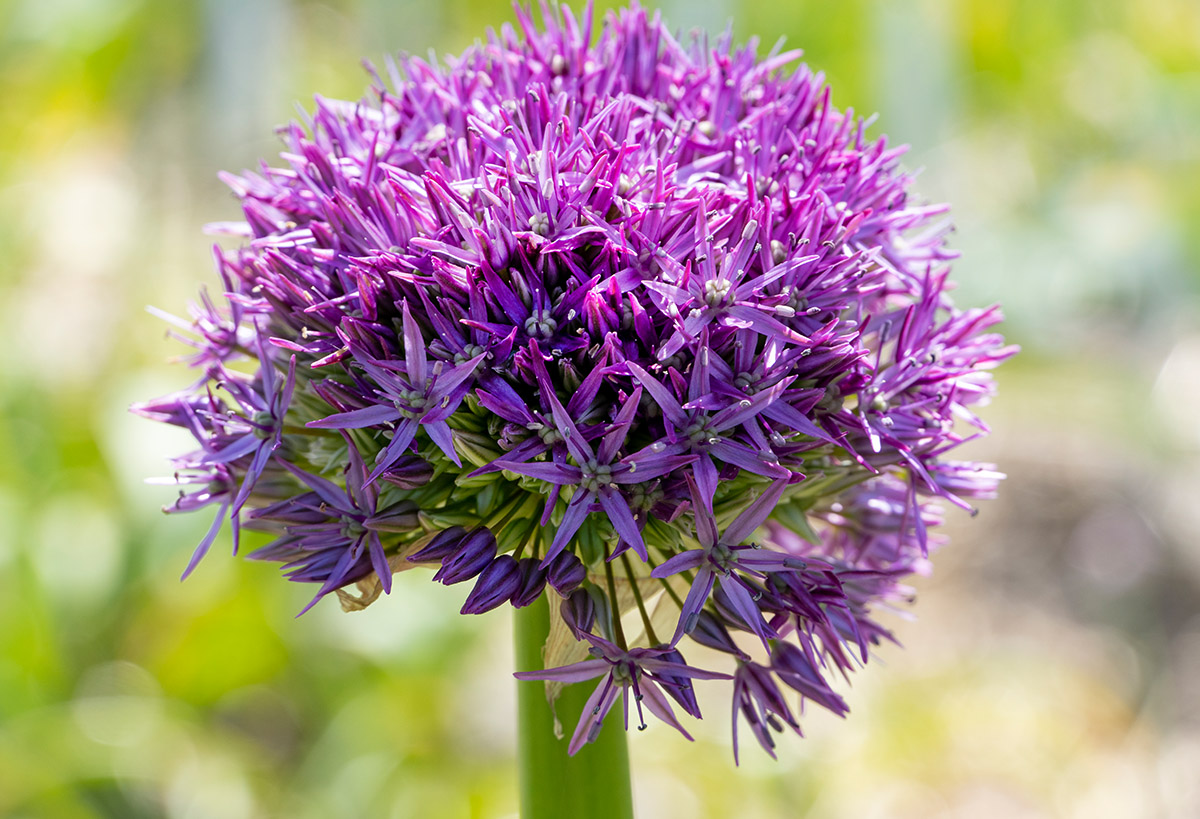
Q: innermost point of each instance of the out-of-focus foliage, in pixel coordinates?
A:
(1056, 668)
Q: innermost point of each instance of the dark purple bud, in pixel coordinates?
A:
(579, 611)
(444, 544)
(399, 517)
(794, 668)
(409, 472)
(496, 584)
(533, 580)
(680, 688)
(565, 573)
(711, 632)
(478, 549)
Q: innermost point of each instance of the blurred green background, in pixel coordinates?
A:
(1054, 666)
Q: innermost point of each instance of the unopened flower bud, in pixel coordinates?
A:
(444, 544)
(496, 584)
(579, 611)
(533, 580)
(565, 573)
(476, 552)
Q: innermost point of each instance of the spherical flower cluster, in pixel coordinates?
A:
(643, 325)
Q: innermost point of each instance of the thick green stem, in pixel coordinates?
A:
(593, 784)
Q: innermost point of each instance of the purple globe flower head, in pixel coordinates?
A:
(642, 324)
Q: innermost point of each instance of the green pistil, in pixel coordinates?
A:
(541, 324)
(699, 432)
(622, 674)
(469, 352)
(412, 403)
(595, 475)
(264, 424)
(549, 435)
(353, 529)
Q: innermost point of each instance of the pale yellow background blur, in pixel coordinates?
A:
(1053, 669)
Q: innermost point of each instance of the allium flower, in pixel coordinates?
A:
(642, 324)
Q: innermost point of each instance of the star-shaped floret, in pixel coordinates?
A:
(413, 397)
